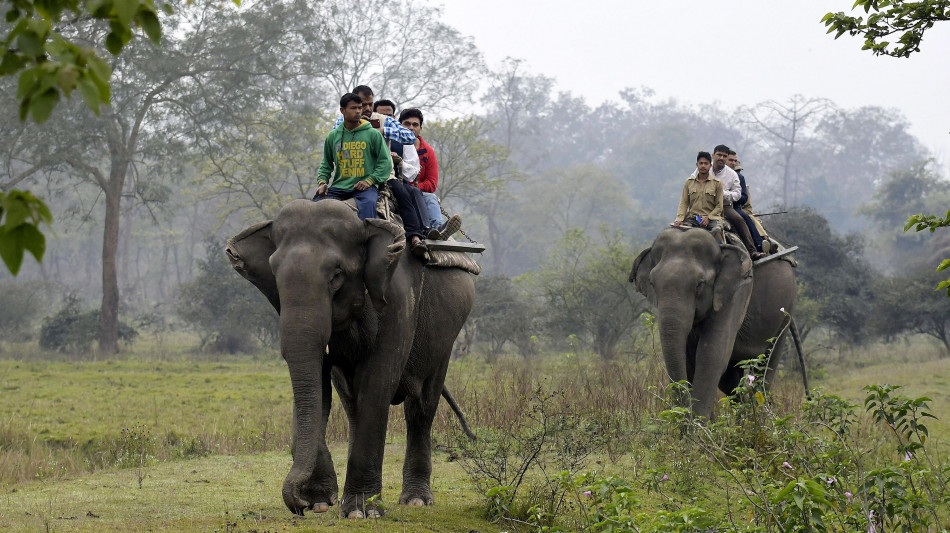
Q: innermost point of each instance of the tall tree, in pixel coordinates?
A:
(787, 125)
(402, 50)
(159, 96)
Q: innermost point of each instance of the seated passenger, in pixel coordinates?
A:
(406, 203)
(701, 201)
(357, 165)
(733, 162)
(428, 180)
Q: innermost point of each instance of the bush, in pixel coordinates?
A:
(227, 312)
(74, 330)
(20, 306)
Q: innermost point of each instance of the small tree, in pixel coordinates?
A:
(227, 312)
(587, 294)
(503, 313)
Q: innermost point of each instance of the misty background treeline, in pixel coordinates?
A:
(224, 123)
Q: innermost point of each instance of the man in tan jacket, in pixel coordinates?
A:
(701, 201)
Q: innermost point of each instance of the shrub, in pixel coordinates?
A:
(227, 312)
(20, 306)
(73, 330)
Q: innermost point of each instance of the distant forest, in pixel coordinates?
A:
(224, 123)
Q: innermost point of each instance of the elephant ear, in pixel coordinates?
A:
(734, 273)
(249, 252)
(640, 274)
(384, 244)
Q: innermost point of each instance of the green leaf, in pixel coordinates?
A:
(90, 93)
(14, 242)
(41, 106)
(16, 210)
(30, 44)
(13, 15)
(12, 62)
(26, 83)
(943, 265)
(114, 44)
(151, 26)
(125, 10)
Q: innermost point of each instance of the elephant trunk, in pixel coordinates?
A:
(675, 321)
(304, 334)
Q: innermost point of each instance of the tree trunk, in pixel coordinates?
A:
(109, 324)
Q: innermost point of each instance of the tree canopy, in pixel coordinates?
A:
(886, 19)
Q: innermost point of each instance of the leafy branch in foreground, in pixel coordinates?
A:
(21, 213)
(932, 222)
(888, 18)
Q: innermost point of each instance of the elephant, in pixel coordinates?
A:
(357, 311)
(715, 309)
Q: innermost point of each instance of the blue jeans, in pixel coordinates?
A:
(754, 231)
(365, 200)
(432, 209)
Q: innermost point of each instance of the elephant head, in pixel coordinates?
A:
(316, 262)
(700, 289)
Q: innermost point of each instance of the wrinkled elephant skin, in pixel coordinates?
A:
(713, 309)
(358, 311)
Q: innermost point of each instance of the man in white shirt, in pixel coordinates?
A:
(732, 192)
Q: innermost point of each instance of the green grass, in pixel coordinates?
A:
(215, 436)
(226, 493)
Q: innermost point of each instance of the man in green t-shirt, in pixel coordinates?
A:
(358, 159)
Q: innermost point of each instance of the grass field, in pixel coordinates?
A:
(179, 444)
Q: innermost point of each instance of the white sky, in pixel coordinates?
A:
(773, 50)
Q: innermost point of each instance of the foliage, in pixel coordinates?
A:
(833, 271)
(889, 18)
(50, 59)
(21, 215)
(906, 303)
(921, 222)
(586, 291)
(228, 313)
(264, 160)
(21, 304)
(804, 472)
(415, 60)
(73, 330)
(466, 155)
(529, 457)
(503, 312)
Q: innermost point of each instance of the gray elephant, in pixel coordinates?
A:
(714, 309)
(357, 310)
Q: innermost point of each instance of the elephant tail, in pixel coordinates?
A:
(458, 411)
(801, 355)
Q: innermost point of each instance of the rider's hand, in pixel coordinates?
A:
(704, 222)
(361, 186)
(322, 189)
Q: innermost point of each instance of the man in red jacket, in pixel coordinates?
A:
(428, 179)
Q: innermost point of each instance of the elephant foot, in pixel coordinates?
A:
(361, 506)
(416, 498)
(300, 495)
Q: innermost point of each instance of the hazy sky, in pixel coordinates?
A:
(734, 52)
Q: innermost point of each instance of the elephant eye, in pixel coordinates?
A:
(337, 280)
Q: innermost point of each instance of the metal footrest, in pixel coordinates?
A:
(455, 246)
(776, 255)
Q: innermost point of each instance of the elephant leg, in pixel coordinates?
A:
(731, 378)
(776, 357)
(712, 359)
(417, 467)
(322, 488)
(373, 387)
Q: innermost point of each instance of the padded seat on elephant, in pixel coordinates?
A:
(386, 209)
(733, 238)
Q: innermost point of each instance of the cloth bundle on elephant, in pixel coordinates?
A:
(714, 309)
(355, 309)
